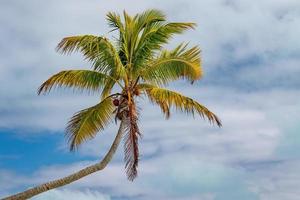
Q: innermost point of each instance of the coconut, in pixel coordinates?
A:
(116, 102)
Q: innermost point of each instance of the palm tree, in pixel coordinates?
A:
(137, 65)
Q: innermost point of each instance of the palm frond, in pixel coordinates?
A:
(115, 22)
(147, 18)
(107, 88)
(76, 79)
(129, 39)
(85, 124)
(172, 65)
(131, 148)
(137, 26)
(180, 102)
(95, 49)
(164, 108)
(116, 74)
(152, 39)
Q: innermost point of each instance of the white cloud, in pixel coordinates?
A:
(277, 182)
(189, 153)
(71, 194)
(9, 181)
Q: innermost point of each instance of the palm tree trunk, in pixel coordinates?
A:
(73, 177)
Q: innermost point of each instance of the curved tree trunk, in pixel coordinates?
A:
(73, 177)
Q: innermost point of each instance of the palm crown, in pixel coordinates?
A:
(138, 65)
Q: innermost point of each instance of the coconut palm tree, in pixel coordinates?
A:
(135, 64)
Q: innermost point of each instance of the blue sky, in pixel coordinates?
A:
(250, 54)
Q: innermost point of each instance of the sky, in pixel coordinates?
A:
(250, 57)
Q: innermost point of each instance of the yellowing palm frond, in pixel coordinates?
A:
(86, 123)
(180, 102)
(77, 79)
(173, 65)
(164, 108)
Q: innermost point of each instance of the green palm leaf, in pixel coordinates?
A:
(152, 39)
(148, 17)
(96, 49)
(85, 124)
(172, 65)
(114, 21)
